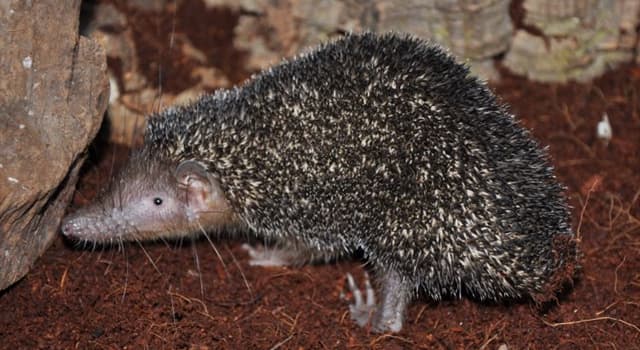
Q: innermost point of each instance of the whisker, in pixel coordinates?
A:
(126, 269)
(244, 278)
(173, 307)
(213, 246)
(148, 256)
(215, 211)
(166, 243)
(196, 258)
(180, 242)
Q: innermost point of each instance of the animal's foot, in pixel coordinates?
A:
(268, 256)
(388, 315)
(361, 309)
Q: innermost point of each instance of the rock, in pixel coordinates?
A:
(558, 41)
(270, 30)
(126, 116)
(110, 27)
(576, 40)
(53, 93)
(148, 5)
(473, 30)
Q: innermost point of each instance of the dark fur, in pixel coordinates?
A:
(385, 144)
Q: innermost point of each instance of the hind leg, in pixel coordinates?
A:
(284, 255)
(388, 315)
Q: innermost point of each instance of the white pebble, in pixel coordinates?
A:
(21, 126)
(27, 62)
(13, 180)
(604, 131)
(503, 347)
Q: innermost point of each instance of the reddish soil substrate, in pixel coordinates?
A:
(182, 296)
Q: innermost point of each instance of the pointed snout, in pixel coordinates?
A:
(93, 225)
(81, 226)
(71, 226)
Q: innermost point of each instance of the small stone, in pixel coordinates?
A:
(27, 62)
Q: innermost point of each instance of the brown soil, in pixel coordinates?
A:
(182, 296)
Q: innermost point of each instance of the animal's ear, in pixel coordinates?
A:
(203, 191)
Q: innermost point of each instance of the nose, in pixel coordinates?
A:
(68, 227)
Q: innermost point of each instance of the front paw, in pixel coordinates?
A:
(361, 309)
(387, 316)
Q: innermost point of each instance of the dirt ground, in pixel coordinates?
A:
(184, 296)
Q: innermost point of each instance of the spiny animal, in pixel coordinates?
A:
(381, 144)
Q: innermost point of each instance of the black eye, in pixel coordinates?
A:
(157, 201)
